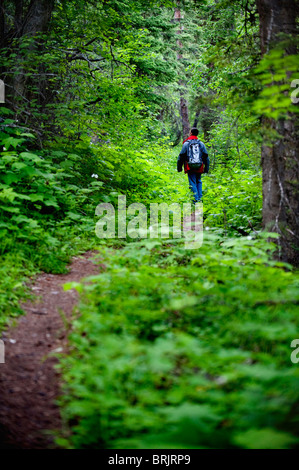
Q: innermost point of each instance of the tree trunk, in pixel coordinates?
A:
(280, 159)
(27, 21)
(2, 23)
(184, 112)
(35, 21)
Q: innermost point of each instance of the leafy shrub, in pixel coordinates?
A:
(44, 217)
(184, 349)
(233, 200)
(48, 198)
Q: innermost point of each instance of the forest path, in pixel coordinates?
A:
(29, 384)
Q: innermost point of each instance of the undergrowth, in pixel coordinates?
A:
(179, 348)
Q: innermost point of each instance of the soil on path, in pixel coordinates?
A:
(29, 384)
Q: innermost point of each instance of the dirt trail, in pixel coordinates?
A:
(28, 383)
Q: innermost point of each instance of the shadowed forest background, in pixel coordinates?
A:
(173, 348)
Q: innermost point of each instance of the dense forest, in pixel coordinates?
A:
(169, 347)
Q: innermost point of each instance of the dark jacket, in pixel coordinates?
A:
(182, 158)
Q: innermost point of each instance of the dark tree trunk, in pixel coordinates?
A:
(184, 112)
(37, 17)
(205, 118)
(35, 21)
(195, 122)
(280, 160)
(2, 23)
(29, 19)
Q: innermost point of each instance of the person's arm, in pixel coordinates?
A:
(182, 157)
(206, 162)
(206, 159)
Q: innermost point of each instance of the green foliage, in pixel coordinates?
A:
(45, 217)
(101, 80)
(276, 72)
(14, 272)
(183, 349)
(231, 142)
(172, 348)
(48, 198)
(233, 200)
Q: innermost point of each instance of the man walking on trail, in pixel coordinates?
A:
(196, 161)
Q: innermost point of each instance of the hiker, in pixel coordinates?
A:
(196, 161)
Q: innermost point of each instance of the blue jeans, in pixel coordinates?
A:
(195, 185)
